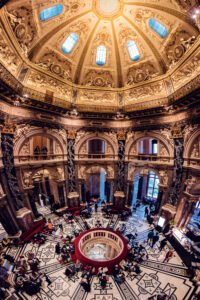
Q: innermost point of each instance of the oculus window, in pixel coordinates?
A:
(158, 27)
(101, 55)
(133, 50)
(51, 12)
(69, 43)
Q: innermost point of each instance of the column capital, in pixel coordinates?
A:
(71, 134)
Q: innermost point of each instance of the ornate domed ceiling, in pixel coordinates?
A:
(71, 47)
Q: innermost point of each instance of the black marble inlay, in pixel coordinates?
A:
(177, 172)
(8, 162)
(71, 166)
(121, 166)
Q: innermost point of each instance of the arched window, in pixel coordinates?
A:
(153, 185)
(154, 149)
(69, 43)
(158, 27)
(101, 55)
(51, 12)
(133, 50)
(96, 146)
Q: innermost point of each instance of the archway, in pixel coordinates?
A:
(45, 182)
(95, 183)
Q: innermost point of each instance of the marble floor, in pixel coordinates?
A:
(156, 276)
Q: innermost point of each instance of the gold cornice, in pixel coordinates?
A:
(150, 44)
(50, 34)
(183, 17)
(81, 60)
(119, 69)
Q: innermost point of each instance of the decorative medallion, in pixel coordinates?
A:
(108, 9)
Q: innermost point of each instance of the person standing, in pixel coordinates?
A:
(60, 224)
(146, 212)
(150, 236)
(96, 206)
(155, 239)
(163, 243)
(168, 256)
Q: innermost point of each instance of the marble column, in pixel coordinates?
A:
(130, 193)
(120, 188)
(71, 173)
(8, 162)
(7, 219)
(177, 172)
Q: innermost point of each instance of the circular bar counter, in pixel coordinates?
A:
(100, 247)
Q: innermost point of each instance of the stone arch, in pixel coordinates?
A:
(152, 135)
(190, 143)
(139, 169)
(101, 136)
(39, 131)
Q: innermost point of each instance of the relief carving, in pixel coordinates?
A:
(163, 177)
(189, 183)
(82, 172)
(22, 23)
(99, 79)
(97, 97)
(54, 63)
(27, 178)
(141, 72)
(110, 172)
(144, 91)
(7, 55)
(42, 81)
(187, 72)
(179, 43)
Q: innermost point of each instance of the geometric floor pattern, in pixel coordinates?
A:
(156, 276)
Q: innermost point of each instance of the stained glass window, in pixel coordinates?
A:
(133, 50)
(51, 12)
(101, 55)
(69, 43)
(158, 27)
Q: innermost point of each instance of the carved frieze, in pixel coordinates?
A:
(97, 97)
(43, 81)
(187, 72)
(98, 78)
(142, 92)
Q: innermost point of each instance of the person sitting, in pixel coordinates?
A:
(85, 283)
(57, 248)
(120, 278)
(115, 271)
(103, 280)
(68, 272)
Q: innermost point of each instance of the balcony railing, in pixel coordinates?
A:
(194, 161)
(39, 157)
(96, 156)
(150, 157)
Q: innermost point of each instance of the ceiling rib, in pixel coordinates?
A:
(150, 44)
(81, 60)
(34, 51)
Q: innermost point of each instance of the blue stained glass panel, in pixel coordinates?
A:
(51, 12)
(158, 27)
(101, 55)
(69, 43)
(133, 50)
